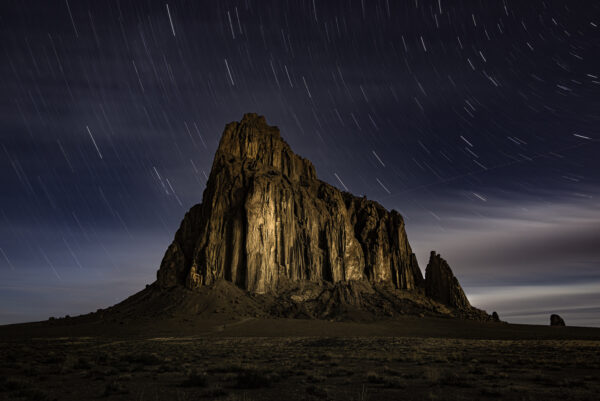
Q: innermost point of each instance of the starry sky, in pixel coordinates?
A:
(478, 120)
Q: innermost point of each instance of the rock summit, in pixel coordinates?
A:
(268, 226)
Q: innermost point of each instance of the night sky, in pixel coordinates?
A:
(478, 120)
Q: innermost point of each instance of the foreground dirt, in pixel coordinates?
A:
(229, 360)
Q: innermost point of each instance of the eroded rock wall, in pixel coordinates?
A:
(266, 219)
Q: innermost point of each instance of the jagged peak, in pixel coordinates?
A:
(434, 256)
(442, 285)
(254, 119)
(252, 138)
(251, 128)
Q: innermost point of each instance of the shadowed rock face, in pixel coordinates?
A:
(556, 320)
(442, 286)
(266, 219)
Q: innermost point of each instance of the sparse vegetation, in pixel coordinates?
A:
(253, 378)
(142, 358)
(317, 392)
(373, 377)
(113, 388)
(246, 368)
(195, 379)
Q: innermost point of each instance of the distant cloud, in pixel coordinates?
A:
(538, 257)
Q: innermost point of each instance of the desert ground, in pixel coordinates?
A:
(408, 358)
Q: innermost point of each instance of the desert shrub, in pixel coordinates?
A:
(229, 368)
(390, 372)
(539, 377)
(491, 392)
(214, 393)
(412, 356)
(432, 375)
(165, 367)
(251, 378)
(315, 378)
(10, 358)
(53, 357)
(451, 378)
(373, 377)
(33, 372)
(82, 363)
(114, 387)
(68, 363)
(143, 358)
(33, 394)
(393, 382)
(496, 375)
(124, 377)
(339, 372)
(411, 375)
(101, 358)
(317, 392)
(284, 373)
(112, 372)
(326, 342)
(577, 383)
(454, 357)
(11, 384)
(195, 379)
(477, 370)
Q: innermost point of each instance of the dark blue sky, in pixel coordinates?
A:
(478, 120)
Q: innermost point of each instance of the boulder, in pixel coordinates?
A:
(556, 320)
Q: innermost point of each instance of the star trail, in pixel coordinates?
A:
(478, 120)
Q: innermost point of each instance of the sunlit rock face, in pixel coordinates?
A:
(266, 219)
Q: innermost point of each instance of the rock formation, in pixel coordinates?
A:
(265, 218)
(556, 320)
(441, 285)
(266, 222)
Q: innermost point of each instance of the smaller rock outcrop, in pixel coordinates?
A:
(441, 285)
(556, 320)
(495, 317)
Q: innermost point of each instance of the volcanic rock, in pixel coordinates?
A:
(297, 246)
(441, 285)
(556, 320)
(265, 219)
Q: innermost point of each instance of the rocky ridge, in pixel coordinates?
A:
(300, 246)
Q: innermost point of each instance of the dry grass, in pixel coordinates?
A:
(299, 369)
